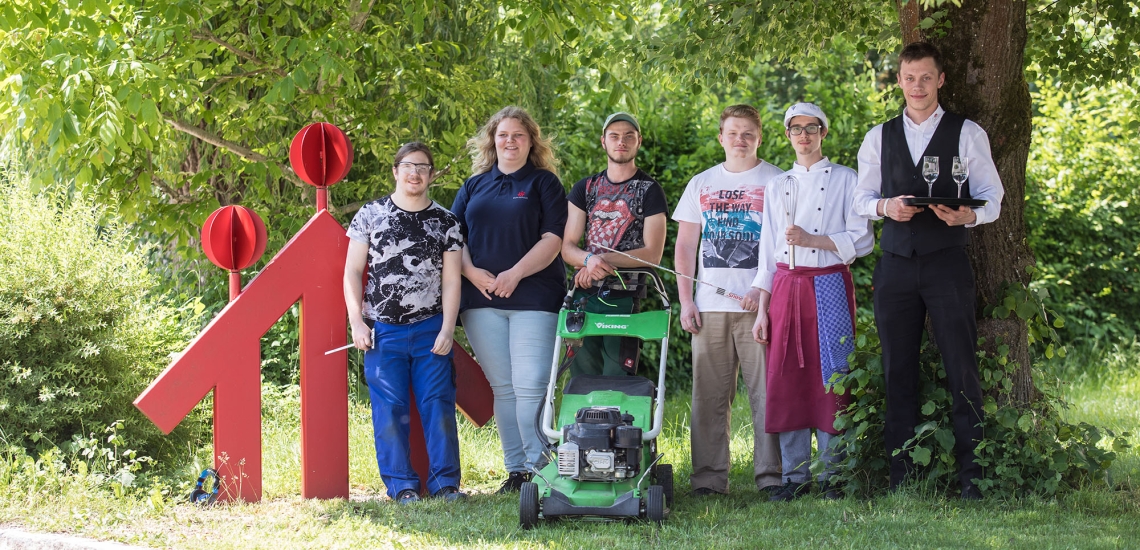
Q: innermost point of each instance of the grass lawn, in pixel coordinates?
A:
(1094, 517)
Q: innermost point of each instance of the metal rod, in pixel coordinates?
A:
(235, 284)
(346, 346)
(719, 290)
(332, 351)
(790, 189)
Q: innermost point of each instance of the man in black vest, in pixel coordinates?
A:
(924, 268)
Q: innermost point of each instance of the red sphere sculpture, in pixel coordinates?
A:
(321, 155)
(233, 238)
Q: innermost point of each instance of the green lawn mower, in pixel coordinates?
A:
(604, 461)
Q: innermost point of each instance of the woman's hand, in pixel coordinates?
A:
(505, 283)
(482, 279)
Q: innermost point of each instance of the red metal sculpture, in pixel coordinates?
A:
(233, 237)
(321, 155)
(226, 356)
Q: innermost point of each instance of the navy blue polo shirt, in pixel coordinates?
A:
(503, 216)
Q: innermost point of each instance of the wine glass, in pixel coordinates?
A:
(960, 171)
(930, 173)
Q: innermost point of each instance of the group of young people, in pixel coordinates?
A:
(496, 261)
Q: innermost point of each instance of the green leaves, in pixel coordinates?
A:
(920, 456)
(1084, 42)
(80, 333)
(1080, 180)
(928, 408)
(1029, 450)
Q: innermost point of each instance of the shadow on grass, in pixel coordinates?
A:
(745, 519)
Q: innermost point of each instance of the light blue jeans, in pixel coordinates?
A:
(515, 349)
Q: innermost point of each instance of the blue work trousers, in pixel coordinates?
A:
(400, 365)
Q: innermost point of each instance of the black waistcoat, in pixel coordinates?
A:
(924, 233)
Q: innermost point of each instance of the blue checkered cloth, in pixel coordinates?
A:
(836, 339)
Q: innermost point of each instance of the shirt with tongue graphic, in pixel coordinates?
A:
(615, 213)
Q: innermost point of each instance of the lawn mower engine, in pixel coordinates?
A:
(601, 445)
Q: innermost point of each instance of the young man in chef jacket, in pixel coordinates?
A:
(806, 313)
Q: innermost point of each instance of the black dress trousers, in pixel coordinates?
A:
(906, 289)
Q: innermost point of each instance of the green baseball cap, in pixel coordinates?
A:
(619, 117)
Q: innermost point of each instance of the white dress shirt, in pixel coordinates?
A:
(973, 142)
(823, 202)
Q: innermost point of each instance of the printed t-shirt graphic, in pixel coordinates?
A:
(617, 212)
(729, 207)
(731, 236)
(405, 259)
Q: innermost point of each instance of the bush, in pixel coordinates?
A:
(80, 334)
(1024, 450)
(1081, 209)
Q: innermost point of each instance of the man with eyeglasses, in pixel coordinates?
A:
(719, 216)
(924, 268)
(623, 208)
(404, 320)
(806, 315)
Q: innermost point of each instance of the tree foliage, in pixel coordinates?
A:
(168, 109)
(177, 107)
(1027, 450)
(1085, 42)
(1081, 208)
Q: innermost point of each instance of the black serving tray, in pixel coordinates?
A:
(945, 201)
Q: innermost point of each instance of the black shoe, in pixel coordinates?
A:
(830, 491)
(450, 494)
(790, 491)
(514, 482)
(706, 492)
(971, 492)
(407, 496)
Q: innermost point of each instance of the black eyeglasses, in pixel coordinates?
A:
(408, 167)
(811, 129)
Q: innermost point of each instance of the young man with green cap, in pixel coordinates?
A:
(623, 208)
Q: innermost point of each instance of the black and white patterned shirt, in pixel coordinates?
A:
(405, 259)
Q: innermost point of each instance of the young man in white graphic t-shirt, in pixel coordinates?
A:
(719, 216)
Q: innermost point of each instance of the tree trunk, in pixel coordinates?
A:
(983, 54)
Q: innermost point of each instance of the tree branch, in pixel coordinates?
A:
(174, 195)
(239, 150)
(225, 78)
(205, 35)
(359, 16)
(350, 207)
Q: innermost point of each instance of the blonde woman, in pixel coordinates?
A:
(513, 210)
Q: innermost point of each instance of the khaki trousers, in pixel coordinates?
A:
(724, 347)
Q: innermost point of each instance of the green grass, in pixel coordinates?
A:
(42, 499)
(1102, 387)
